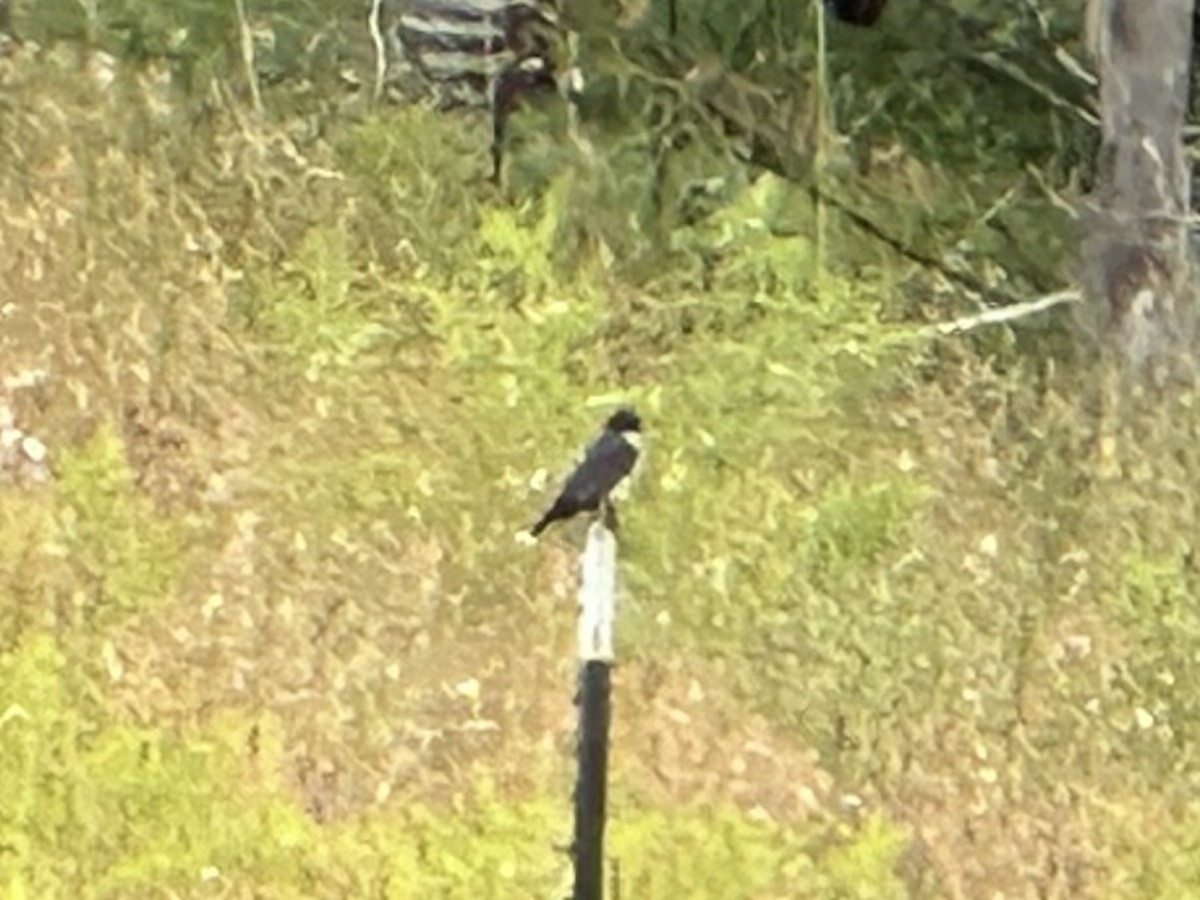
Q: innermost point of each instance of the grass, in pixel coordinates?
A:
(900, 618)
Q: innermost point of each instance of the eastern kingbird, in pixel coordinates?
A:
(608, 460)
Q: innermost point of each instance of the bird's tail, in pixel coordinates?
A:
(542, 524)
(558, 510)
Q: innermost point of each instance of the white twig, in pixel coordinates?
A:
(381, 61)
(1003, 314)
(597, 594)
(248, 56)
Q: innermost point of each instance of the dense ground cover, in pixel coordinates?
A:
(901, 617)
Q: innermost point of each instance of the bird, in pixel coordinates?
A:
(857, 12)
(493, 54)
(606, 462)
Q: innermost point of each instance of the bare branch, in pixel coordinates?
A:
(247, 41)
(1003, 314)
(381, 60)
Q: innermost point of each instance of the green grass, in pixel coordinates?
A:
(268, 630)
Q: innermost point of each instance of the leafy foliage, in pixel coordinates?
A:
(125, 810)
(743, 859)
(902, 616)
(110, 534)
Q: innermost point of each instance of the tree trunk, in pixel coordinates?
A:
(1136, 248)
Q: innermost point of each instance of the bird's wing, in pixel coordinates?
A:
(606, 462)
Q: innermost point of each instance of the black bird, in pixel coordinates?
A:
(857, 12)
(608, 460)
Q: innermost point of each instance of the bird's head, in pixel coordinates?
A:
(624, 420)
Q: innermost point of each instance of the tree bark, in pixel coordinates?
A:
(1135, 252)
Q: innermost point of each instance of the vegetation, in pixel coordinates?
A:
(903, 616)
